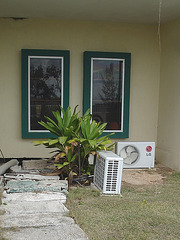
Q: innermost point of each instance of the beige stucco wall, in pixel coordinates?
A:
(168, 150)
(140, 40)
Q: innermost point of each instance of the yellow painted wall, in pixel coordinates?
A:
(168, 150)
(140, 40)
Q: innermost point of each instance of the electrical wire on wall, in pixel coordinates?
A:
(2, 155)
(159, 24)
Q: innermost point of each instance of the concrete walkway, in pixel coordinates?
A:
(39, 215)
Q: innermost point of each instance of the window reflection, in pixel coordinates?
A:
(45, 88)
(107, 83)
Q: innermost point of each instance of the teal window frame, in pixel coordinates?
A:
(126, 57)
(25, 54)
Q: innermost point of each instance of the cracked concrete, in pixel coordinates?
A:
(18, 186)
(38, 216)
(35, 210)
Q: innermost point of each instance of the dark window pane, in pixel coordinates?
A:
(45, 89)
(107, 84)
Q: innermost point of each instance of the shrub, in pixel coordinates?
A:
(76, 138)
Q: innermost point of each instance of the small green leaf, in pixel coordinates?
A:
(59, 120)
(62, 140)
(53, 141)
(67, 117)
(92, 143)
(61, 165)
(41, 142)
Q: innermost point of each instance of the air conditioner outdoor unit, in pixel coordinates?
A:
(136, 154)
(108, 172)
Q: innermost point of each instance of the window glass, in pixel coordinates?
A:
(45, 89)
(107, 95)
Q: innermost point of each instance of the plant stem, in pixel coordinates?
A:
(79, 158)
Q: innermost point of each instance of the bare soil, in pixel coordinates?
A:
(146, 176)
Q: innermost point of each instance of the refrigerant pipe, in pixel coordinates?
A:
(7, 165)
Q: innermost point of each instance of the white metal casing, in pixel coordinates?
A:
(136, 154)
(108, 172)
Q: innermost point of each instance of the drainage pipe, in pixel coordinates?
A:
(7, 165)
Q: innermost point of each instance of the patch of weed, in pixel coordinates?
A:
(144, 212)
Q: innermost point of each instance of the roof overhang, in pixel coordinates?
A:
(129, 11)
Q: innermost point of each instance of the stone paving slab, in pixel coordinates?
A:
(23, 176)
(34, 197)
(35, 220)
(35, 211)
(65, 232)
(31, 207)
(18, 186)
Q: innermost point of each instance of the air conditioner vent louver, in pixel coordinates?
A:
(108, 172)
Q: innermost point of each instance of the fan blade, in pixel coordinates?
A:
(123, 153)
(134, 156)
(130, 149)
(128, 160)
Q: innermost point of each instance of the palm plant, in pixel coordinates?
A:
(77, 137)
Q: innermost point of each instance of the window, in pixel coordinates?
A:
(106, 90)
(45, 86)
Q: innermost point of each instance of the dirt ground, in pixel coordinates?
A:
(146, 176)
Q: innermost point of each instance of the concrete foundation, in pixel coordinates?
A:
(34, 164)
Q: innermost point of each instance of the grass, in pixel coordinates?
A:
(144, 212)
